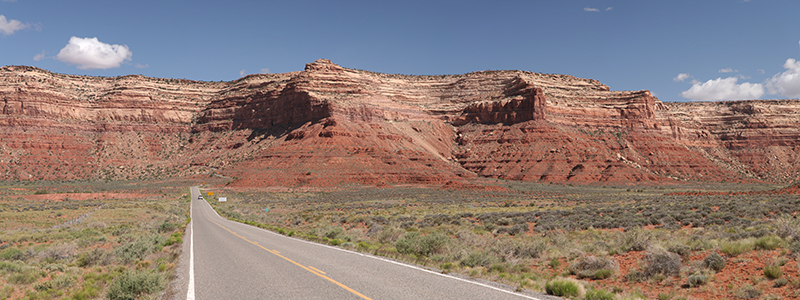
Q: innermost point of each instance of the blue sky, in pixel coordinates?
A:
(680, 50)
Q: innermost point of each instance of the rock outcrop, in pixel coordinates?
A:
(328, 125)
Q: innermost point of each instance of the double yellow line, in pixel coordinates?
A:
(313, 270)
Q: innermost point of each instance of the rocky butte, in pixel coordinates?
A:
(328, 125)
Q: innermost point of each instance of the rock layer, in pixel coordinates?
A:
(329, 125)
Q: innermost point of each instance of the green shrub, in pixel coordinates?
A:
(27, 276)
(417, 244)
(680, 249)
(12, 254)
(599, 295)
(10, 267)
(697, 279)
(132, 285)
(167, 227)
(714, 262)
(773, 271)
(769, 242)
(562, 288)
(93, 257)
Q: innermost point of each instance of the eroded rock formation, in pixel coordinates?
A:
(329, 125)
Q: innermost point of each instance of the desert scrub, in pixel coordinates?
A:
(661, 262)
(132, 285)
(564, 287)
(138, 249)
(421, 245)
(697, 279)
(590, 266)
(714, 262)
(636, 239)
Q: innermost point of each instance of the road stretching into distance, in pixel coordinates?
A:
(223, 259)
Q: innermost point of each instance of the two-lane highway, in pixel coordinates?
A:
(230, 260)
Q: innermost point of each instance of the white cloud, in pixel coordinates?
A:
(39, 56)
(760, 71)
(242, 72)
(788, 82)
(141, 66)
(590, 9)
(90, 53)
(609, 8)
(264, 70)
(681, 77)
(723, 89)
(728, 70)
(8, 27)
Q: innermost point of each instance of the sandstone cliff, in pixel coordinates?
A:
(329, 125)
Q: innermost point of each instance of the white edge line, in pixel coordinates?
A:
(385, 260)
(190, 289)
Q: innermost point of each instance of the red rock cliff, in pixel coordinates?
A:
(328, 125)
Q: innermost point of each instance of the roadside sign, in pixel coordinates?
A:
(210, 193)
(223, 199)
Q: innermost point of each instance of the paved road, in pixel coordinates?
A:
(228, 260)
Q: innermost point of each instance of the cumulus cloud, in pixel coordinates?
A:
(90, 53)
(8, 27)
(681, 77)
(728, 70)
(242, 72)
(264, 70)
(788, 82)
(590, 9)
(723, 89)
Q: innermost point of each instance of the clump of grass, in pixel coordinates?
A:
(636, 239)
(773, 271)
(748, 292)
(564, 287)
(599, 294)
(735, 248)
(769, 242)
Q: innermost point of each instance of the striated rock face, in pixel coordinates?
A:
(328, 125)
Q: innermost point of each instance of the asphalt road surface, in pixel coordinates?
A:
(228, 260)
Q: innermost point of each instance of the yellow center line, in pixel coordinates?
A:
(310, 269)
(315, 269)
